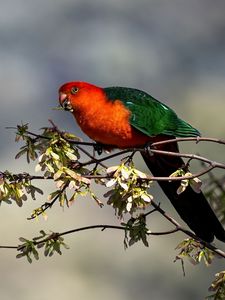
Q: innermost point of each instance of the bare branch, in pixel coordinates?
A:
(188, 139)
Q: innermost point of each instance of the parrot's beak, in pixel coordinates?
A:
(65, 102)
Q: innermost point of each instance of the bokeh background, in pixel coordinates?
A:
(172, 49)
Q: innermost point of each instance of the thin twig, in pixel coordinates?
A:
(48, 205)
(192, 156)
(188, 139)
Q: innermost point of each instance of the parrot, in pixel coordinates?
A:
(122, 118)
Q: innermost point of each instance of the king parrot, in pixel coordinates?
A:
(121, 117)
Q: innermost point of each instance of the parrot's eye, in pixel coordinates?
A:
(74, 90)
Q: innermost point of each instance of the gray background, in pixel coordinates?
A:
(172, 49)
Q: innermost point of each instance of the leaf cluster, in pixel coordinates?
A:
(52, 243)
(15, 187)
(130, 189)
(136, 230)
(195, 252)
(218, 286)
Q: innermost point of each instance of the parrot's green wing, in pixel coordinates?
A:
(149, 115)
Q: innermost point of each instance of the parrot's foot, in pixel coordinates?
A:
(147, 149)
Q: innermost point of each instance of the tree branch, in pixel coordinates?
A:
(93, 160)
(108, 226)
(178, 227)
(188, 139)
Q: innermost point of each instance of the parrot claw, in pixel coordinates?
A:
(98, 148)
(147, 148)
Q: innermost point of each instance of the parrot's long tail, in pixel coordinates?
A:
(192, 207)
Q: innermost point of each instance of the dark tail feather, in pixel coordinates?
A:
(192, 207)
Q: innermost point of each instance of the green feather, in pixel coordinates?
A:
(149, 115)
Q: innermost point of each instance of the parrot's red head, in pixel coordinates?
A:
(72, 95)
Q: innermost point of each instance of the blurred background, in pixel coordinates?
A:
(172, 49)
